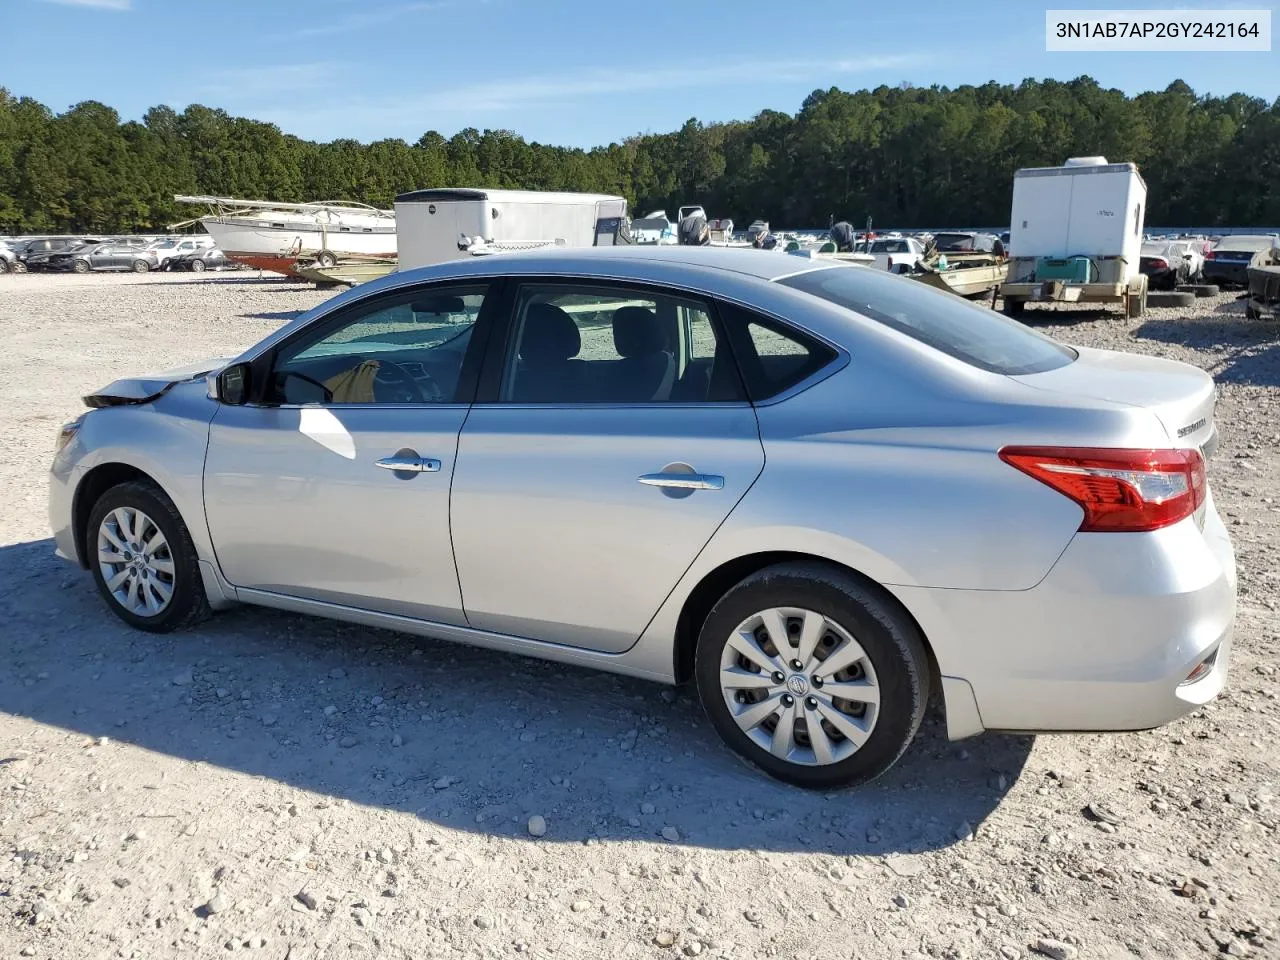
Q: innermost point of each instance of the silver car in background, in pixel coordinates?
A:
(820, 491)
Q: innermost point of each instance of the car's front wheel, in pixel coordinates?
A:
(80, 266)
(143, 560)
(812, 675)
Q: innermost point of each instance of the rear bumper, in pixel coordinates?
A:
(1219, 271)
(1050, 291)
(1104, 642)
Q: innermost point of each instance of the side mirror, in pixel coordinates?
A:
(233, 385)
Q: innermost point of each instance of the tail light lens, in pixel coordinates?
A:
(1210, 255)
(1159, 263)
(1118, 489)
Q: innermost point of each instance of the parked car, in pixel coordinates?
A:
(1165, 263)
(42, 246)
(103, 256)
(1229, 261)
(198, 261)
(176, 246)
(895, 254)
(42, 255)
(625, 458)
(9, 262)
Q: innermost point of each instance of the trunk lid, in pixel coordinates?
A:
(145, 388)
(1181, 396)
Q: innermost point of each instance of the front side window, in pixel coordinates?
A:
(614, 345)
(406, 348)
(976, 335)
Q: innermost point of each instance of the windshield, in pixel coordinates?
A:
(977, 335)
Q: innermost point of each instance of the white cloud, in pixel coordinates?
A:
(393, 113)
(238, 84)
(374, 17)
(117, 5)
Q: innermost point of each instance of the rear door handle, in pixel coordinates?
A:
(409, 464)
(683, 481)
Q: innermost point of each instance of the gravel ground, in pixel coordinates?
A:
(307, 789)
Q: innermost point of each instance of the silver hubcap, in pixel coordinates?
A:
(800, 686)
(135, 560)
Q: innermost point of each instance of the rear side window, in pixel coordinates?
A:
(977, 335)
(773, 357)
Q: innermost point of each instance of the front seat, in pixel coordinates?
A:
(647, 370)
(548, 371)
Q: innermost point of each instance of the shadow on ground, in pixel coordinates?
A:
(272, 315)
(1252, 347)
(485, 739)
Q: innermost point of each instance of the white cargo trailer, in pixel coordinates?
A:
(436, 225)
(1075, 234)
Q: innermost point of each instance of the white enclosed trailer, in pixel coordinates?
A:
(1075, 234)
(436, 225)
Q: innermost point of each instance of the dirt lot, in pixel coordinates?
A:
(304, 789)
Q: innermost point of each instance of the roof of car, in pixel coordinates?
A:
(762, 264)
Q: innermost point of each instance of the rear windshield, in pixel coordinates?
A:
(979, 336)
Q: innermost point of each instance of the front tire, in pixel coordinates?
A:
(143, 560)
(197, 265)
(80, 266)
(811, 675)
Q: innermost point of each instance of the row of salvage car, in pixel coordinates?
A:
(99, 254)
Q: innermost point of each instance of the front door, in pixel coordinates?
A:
(335, 485)
(617, 441)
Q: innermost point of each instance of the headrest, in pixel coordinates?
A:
(549, 334)
(636, 332)
(440, 305)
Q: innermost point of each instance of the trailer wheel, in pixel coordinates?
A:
(326, 259)
(1014, 306)
(1171, 299)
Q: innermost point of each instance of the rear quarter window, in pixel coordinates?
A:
(949, 324)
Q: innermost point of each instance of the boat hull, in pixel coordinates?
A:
(350, 274)
(963, 281)
(277, 246)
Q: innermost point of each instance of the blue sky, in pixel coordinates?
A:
(574, 72)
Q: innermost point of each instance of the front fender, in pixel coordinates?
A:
(165, 439)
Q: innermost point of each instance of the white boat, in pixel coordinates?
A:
(268, 235)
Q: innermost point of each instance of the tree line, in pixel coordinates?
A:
(904, 156)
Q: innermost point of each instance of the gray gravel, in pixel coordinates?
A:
(142, 817)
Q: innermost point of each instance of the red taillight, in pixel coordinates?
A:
(1159, 263)
(1210, 255)
(1119, 490)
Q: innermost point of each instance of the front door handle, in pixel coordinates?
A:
(683, 481)
(401, 464)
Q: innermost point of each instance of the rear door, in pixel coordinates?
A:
(613, 439)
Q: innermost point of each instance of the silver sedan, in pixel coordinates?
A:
(822, 492)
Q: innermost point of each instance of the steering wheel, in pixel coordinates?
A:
(401, 379)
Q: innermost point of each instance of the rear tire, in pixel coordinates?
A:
(141, 266)
(172, 567)
(893, 669)
(1171, 299)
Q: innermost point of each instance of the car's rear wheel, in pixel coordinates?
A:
(143, 560)
(80, 266)
(141, 266)
(811, 675)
